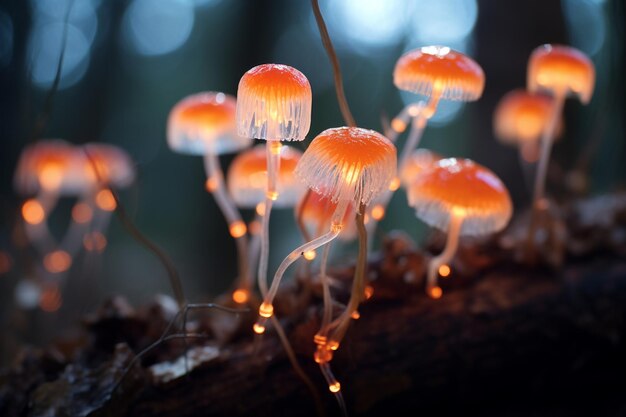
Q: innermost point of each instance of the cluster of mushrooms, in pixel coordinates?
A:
(346, 173)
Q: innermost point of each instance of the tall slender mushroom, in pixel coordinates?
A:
(348, 165)
(204, 124)
(560, 71)
(438, 73)
(247, 179)
(462, 198)
(274, 104)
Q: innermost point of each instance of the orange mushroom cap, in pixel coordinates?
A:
(51, 165)
(521, 116)
(439, 69)
(204, 123)
(561, 69)
(348, 163)
(317, 212)
(467, 187)
(114, 166)
(420, 161)
(274, 103)
(247, 177)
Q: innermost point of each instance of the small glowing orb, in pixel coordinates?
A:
(266, 310)
(398, 125)
(368, 292)
(334, 387)
(444, 270)
(258, 328)
(241, 296)
(237, 229)
(211, 184)
(355, 315)
(394, 184)
(436, 293)
(260, 209)
(378, 212)
(82, 213)
(57, 261)
(33, 212)
(105, 200)
(309, 255)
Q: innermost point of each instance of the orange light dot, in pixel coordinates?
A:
(105, 200)
(309, 255)
(398, 125)
(33, 212)
(394, 184)
(368, 292)
(254, 227)
(444, 270)
(355, 315)
(50, 300)
(95, 242)
(319, 339)
(211, 184)
(5, 262)
(266, 310)
(272, 195)
(333, 345)
(82, 213)
(335, 387)
(57, 261)
(435, 293)
(275, 147)
(258, 328)
(241, 296)
(378, 212)
(260, 209)
(237, 229)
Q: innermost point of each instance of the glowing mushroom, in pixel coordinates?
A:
(559, 71)
(348, 165)
(520, 119)
(273, 104)
(462, 198)
(247, 179)
(204, 124)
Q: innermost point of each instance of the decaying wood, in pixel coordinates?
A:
(506, 339)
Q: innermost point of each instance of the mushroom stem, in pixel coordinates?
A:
(327, 314)
(254, 248)
(334, 386)
(358, 284)
(454, 229)
(272, 150)
(418, 123)
(544, 158)
(236, 226)
(546, 146)
(299, 214)
(266, 310)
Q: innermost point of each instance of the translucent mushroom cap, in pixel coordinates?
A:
(561, 69)
(521, 116)
(467, 187)
(114, 166)
(51, 166)
(317, 212)
(420, 161)
(274, 103)
(204, 123)
(247, 177)
(433, 69)
(348, 163)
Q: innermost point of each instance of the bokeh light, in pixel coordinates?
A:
(586, 24)
(157, 27)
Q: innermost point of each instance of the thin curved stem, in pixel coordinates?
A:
(229, 209)
(332, 55)
(254, 247)
(454, 230)
(327, 314)
(266, 309)
(358, 283)
(334, 386)
(542, 169)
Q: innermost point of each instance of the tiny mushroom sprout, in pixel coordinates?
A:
(348, 165)
(520, 119)
(559, 71)
(462, 198)
(274, 104)
(247, 179)
(436, 73)
(204, 124)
